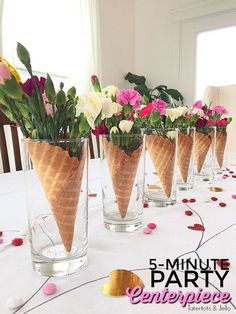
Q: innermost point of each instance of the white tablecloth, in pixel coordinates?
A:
(81, 292)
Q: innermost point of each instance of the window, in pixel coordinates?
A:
(59, 35)
(216, 61)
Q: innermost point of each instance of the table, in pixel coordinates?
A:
(81, 292)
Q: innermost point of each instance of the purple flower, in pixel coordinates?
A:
(201, 123)
(102, 129)
(129, 96)
(159, 106)
(28, 86)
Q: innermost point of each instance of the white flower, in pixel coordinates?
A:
(182, 110)
(110, 90)
(125, 126)
(171, 135)
(198, 111)
(109, 108)
(114, 129)
(175, 113)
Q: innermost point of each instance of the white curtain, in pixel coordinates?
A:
(61, 36)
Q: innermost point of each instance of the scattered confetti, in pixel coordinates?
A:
(188, 212)
(49, 288)
(14, 302)
(222, 204)
(214, 199)
(215, 189)
(184, 200)
(145, 205)
(223, 263)
(151, 225)
(234, 176)
(231, 172)
(17, 242)
(147, 230)
(234, 196)
(197, 227)
(192, 200)
(1, 241)
(1, 233)
(92, 195)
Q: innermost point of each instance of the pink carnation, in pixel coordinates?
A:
(159, 106)
(219, 110)
(129, 96)
(198, 104)
(222, 122)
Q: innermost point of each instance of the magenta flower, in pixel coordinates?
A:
(28, 86)
(219, 110)
(159, 106)
(102, 129)
(201, 123)
(129, 96)
(198, 104)
(222, 122)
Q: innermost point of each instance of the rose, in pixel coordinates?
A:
(91, 105)
(28, 86)
(159, 106)
(198, 104)
(5, 73)
(198, 112)
(218, 109)
(210, 122)
(129, 96)
(125, 126)
(110, 91)
(146, 111)
(222, 122)
(201, 123)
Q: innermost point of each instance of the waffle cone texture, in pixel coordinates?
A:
(221, 139)
(185, 148)
(123, 168)
(61, 178)
(162, 153)
(202, 146)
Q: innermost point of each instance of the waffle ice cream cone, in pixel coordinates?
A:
(61, 178)
(185, 147)
(123, 169)
(162, 153)
(202, 145)
(221, 139)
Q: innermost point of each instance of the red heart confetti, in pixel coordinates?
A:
(231, 172)
(192, 200)
(1, 233)
(145, 205)
(151, 225)
(17, 242)
(234, 176)
(188, 212)
(197, 227)
(222, 204)
(223, 263)
(92, 195)
(234, 196)
(214, 199)
(184, 200)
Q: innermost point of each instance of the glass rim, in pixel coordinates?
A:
(82, 139)
(121, 134)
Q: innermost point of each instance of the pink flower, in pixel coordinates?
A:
(102, 129)
(48, 106)
(129, 96)
(219, 109)
(94, 78)
(198, 104)
(222, 122)
(146, 111)
(188, 116)
(159, 106)
(5, 74)
(210, 122)
(198, 111)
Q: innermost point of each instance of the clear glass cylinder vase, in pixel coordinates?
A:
(204, 150)
(186, 138)
(57, 203)
(161, 179)
(122, 163)
(220, 149)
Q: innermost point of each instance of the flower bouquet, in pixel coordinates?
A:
(56, 148)
(161, 143)
(113, 116)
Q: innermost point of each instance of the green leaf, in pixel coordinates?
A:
(60, 98)
(71, 92)
(164, 96)
(136, 79)
(83, 125)
(11, 88)
(143, 90)
(154, 117)
(23, 55)
(49, 89)
(161, 87)
(127, 109)
(174, 93)
(7, 113)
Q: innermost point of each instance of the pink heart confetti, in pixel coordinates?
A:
(92, 195)
(147, 230)
(234, 196)
(1, 241)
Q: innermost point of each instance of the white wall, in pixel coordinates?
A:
(165, 35)
(116, 40)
